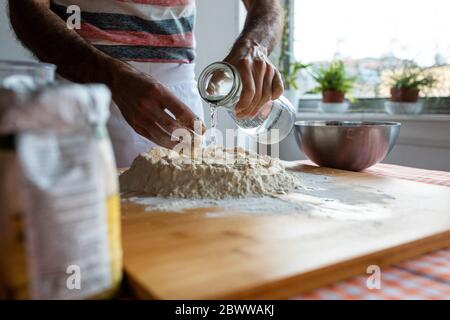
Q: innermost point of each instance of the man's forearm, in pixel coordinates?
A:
(261, 81)
(48, 37)
(263, 25)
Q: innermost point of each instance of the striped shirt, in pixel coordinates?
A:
(137, 30)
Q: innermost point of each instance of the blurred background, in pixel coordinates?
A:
(373, 39)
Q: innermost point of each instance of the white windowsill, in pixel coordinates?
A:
(371, 116)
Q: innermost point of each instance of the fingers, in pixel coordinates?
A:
(266, 94)
(166, 122)
(182, 113)
(261, 82)
(164, 130)
(259, 71)
(153, 122)
(277, 85)
(248, 88)
(151, 130)
(168, 131)
(145, 104)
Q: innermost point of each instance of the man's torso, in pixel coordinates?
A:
(137, 30)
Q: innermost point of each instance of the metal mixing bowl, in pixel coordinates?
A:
(348, 145)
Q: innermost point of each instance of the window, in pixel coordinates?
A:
(373, 38)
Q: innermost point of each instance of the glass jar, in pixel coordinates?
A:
(220, 85)
(39, 72)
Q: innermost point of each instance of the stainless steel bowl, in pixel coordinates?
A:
(348, 145)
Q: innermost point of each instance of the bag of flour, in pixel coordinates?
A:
(59, 201)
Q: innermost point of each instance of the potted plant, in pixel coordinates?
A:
(334, 83)
(289, 68)
(290, 74)
(405, 88)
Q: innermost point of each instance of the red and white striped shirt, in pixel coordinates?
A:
(137, 30)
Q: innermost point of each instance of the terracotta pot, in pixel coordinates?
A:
(404, 94)
(331, 96)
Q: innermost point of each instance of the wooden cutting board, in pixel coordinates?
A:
(349, 222)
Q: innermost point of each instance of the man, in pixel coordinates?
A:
(143, 50)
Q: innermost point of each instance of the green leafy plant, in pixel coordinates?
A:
(289, 69)
(332, 78)
(413, 77)
(290, 74)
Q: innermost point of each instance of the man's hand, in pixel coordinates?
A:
(141, 99)
(261, 81)
(144, 103)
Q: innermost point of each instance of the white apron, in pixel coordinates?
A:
(179, 79)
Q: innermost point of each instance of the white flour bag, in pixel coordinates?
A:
(59, 200)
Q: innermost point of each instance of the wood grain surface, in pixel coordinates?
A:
(349, 221)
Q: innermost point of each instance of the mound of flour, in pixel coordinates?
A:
(213, 173)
